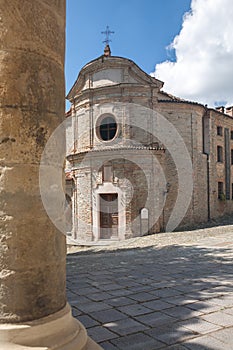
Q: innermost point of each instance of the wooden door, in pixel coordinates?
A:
(108, 215)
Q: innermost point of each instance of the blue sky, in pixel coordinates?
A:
(143, 29)
(198, 68)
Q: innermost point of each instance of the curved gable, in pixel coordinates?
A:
(111, 71)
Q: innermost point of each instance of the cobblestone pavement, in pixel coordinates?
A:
(169, 291)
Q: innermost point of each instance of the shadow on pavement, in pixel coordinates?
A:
(174, 297)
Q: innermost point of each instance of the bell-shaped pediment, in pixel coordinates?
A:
(109, 71)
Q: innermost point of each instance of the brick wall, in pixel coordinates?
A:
(136, 171)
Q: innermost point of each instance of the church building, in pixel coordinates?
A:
(139, 160)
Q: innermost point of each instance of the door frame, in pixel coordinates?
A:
(108, 188)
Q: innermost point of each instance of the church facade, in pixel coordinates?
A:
(139, 160)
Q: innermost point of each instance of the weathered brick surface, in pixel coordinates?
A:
(114, 86)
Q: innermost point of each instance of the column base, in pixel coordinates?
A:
(59, 331)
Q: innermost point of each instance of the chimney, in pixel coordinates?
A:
(229, 111)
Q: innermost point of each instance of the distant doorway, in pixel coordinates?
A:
(108, 216)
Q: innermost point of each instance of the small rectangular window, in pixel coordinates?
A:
(219, 154)
(231, 134)
(232, 157)
(220, 190)
(219, 130)
(107, 173)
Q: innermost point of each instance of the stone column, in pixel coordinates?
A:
(33, 309)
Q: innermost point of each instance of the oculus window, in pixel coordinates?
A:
(107, 128)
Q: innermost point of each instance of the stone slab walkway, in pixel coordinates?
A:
(168, 291)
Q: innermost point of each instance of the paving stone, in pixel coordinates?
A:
(170, 334)
(107, 345)
(156, 319)
(70, 293)
(138, 341)
(125, 326)
(180, 300)
(224, 335)
(219, 318)
(209, 294)
(160, 284)
(88, 321)
(99, 284)
(165, 292)
(94, 306)
(184, 288)
(128, 284)
(134, 309)
(207, 343)
(88, 290)
(228, 311)
(99, 296)
(108, 315)
(145, 280)
(141, 288)
(224, 302)
(176, 347)
(120, 292)
(81, 285)
(182, 312)
(76, 312)
(204, 307)
(200, 326)
(120, 301)
(79, 300)
(112, 287)
(143, 296)
(157, 305)
(100, 334)
(97, 273)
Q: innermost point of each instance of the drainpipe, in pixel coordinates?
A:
(208, 185)
(206, 151)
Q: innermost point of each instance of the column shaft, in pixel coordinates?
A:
(32, 251)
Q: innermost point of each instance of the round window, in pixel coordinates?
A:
(107, 128)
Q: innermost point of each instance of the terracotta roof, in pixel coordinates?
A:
(68, 113)
(177, 100)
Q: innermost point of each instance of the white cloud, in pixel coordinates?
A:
(203, 70)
